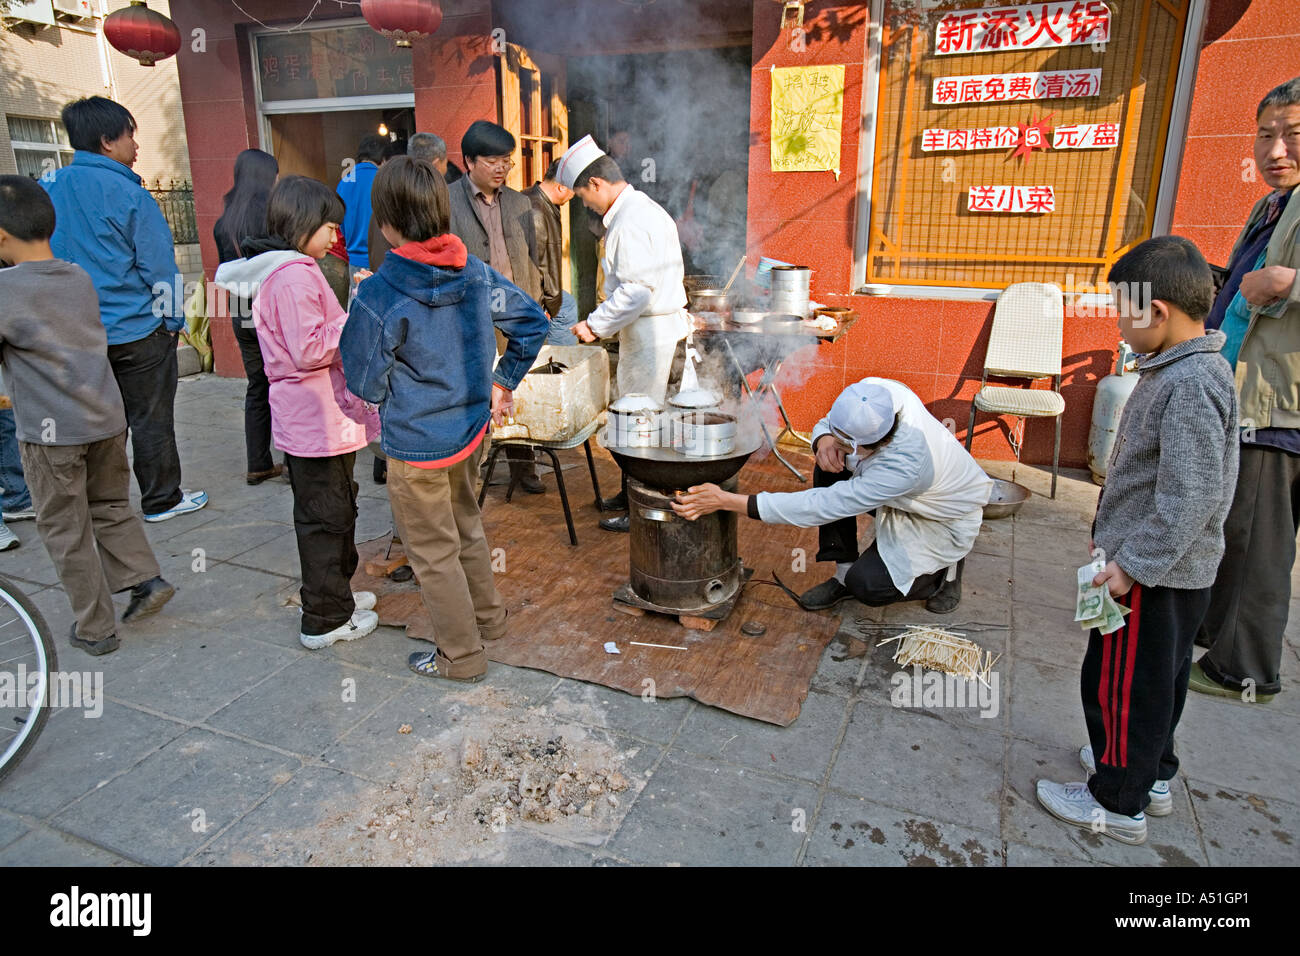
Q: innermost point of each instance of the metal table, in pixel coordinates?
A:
(748, 348)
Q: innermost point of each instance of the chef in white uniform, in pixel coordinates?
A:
(645, 300)
(878, 451)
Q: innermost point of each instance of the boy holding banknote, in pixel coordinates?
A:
(1160, 525)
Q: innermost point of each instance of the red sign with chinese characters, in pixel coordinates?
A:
(1009, 87)
(966, 140)
(1032, 27)
(1086, 136)
(1036, 199)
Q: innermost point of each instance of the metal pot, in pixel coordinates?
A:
(635, 422)
(697, 399)
(703, 434)
(747, 316)
(791, 289)
(709, 300)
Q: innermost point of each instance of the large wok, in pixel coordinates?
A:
(669, 470)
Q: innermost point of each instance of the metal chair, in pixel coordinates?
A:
(1025, 343)
(582, 438)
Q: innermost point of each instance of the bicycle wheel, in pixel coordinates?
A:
(27, 661)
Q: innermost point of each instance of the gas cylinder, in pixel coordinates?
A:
(1112, 394)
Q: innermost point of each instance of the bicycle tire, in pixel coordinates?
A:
(38, 633)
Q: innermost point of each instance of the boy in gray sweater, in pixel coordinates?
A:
(71, 424)
(1160, 524)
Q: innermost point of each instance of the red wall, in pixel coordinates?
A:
(936, 347)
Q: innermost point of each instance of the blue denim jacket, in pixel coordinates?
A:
(107, 223)
(419, 342)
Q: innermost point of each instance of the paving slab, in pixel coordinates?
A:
(11, 828)
(1236, 746)
(47, 847)
(801, 750)
(174, 801)
(1046, 707)
(656, 719)
(1245, 829)
(199, 674)
(696, 811)
(279, 831)
(856, 832)
(76, 754)
(1047, 634)
(305, 707)
(915, 761)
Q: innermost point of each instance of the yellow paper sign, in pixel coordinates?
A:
(807, 117)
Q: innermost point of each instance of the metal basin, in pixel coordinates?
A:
(670, 470)
(1006, 499)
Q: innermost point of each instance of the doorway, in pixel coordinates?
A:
(315, 144)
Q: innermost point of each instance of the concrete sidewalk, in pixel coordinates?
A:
(222, 741)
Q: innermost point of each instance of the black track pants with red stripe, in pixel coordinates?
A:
(1133, 684)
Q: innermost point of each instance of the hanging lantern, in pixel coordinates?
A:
(141, 33)
(403, 20)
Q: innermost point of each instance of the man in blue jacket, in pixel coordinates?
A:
(354, 190)
(108, 224)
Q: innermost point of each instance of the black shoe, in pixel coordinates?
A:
(946, 599)
(825, 595)
(530, 483)
(257, 477)
(106, 645)
(147, 598)
(622, 523)
(617, 503)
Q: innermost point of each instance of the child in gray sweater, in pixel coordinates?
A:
(70, 422)
(1160, 524)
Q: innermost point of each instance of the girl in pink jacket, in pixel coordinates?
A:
(315, 420)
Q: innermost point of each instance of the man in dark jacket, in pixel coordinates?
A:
(496, 224)
(547, 197)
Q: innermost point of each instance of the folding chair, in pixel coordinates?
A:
(1025, 343)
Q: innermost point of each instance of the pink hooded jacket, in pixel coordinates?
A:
(298, 322)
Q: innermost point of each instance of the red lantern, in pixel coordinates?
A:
(403, 20)
(144, 34)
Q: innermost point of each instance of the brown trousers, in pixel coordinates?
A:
(437, 516)
(81, 494)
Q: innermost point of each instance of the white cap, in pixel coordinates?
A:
(577, 158)
(863, 412)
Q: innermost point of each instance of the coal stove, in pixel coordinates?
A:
(686, 568)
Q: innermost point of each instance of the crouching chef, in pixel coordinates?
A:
(645, 300)
(880, 452)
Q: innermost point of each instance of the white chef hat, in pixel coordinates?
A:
(577, 158)
(864, 413)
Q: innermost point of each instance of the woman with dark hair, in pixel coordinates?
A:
(244, 222)
(318, 424)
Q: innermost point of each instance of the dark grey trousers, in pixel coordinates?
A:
(1245, 624)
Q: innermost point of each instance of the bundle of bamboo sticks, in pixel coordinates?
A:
(941, 650)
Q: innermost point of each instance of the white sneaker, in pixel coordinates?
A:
(361, 624)
(190, 501)
(7, 538)
(1074, 803)
(364, 600)
(1162, 800)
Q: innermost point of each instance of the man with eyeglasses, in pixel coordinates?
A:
(496, 224)
(880, 452)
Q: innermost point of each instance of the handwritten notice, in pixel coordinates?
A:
(807, 118)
